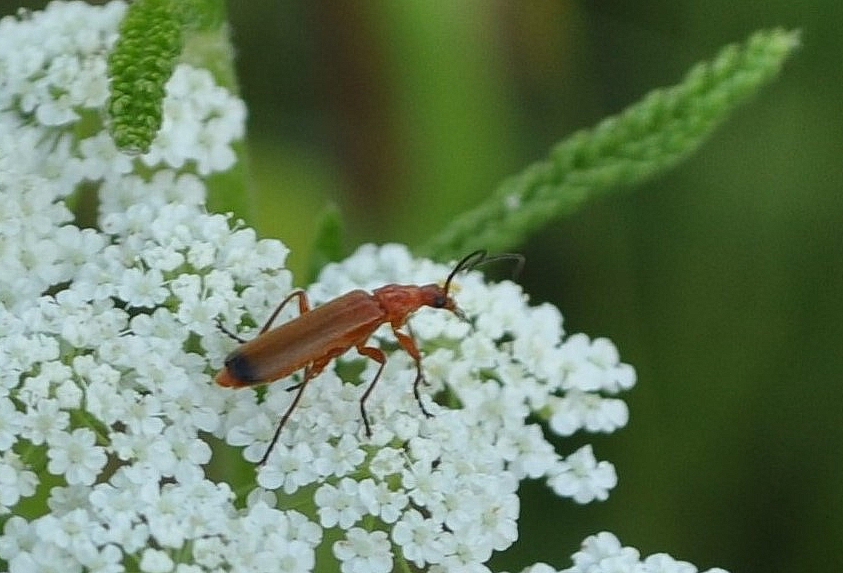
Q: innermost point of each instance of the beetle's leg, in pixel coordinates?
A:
(310, 372)
(420, 378)
(283, 421)
(228, 332)
(377, 355)
(304, 307)
(408, 344)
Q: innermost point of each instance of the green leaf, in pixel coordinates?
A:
(624, 150)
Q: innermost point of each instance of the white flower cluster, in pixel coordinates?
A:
(109, 344)
(603, 553)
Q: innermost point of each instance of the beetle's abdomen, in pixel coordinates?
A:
(240, 368)
(324, 332)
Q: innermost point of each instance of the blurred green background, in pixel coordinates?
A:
(720, 282)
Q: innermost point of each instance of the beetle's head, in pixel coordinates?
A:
(439, 296)
(442, 297)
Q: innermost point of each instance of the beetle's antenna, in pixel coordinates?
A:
(517, 257)
(478, 258)
(467, 262)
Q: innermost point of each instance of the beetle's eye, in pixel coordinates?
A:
(440, 301)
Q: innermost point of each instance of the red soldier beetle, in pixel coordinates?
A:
(315, 337)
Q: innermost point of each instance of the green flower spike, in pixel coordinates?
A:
(151, 39)
(647, 138)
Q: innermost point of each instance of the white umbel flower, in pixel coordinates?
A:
(76, 456)
(364, 552)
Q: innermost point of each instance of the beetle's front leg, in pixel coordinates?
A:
(409, 345)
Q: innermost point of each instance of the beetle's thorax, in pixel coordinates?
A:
(399, 301)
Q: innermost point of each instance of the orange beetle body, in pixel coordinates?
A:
(313, 337)
(317, 336)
